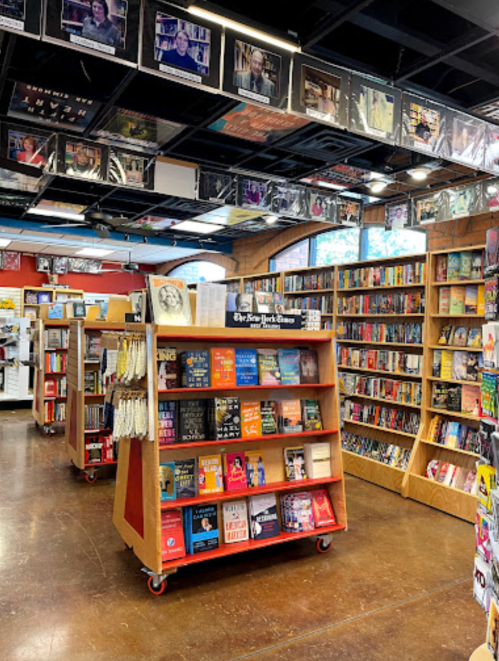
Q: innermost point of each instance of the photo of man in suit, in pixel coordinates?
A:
(255, 79)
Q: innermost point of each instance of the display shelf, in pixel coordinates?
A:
(462, 383)
(457, 316)
(373, 471)
(372, 371)
(53, 292)
(383, 429)
(414, 285)
(452, 348)
(297, 292)
(442, 497)
(447, 447)
(457, 282)
(456, 414)
(382, 399)
(251, 439)
(381, 314)
(193, 391)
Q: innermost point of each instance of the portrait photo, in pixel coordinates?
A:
(424, 126)
(320, 93)
(128, 169)
(59, 265)
(289, 201)
(426, 209)
(27, 148)
(83, 161)
(182, 44)
(103, 21)
(318, 206)
(171, 300)
(136, 129)
(461, 201)
(217, 187)
(254, 193)
(397, 216)
(467, 140)
(13, 9)
(492, 148)
(43, 264)
(349, 212)
(256, 70)
(376, 109)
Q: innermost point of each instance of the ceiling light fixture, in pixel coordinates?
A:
(270, 220)
(244, 29)
(4, 243)
(420, 174)
(492, 189)
(197, 227)
(93, 252)
(378, 186)
(56, 214)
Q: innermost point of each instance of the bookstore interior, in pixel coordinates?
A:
(249, 281)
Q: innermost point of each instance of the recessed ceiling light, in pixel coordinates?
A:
(420, 173)
(4, 243)
(93, 252)
(198, 228)
(270, 220)
(378, 186)
(492, 189)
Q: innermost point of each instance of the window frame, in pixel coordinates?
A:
(191, 261)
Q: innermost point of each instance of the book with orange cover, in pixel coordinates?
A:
(251, 419)
(290, 416)
(223, 368)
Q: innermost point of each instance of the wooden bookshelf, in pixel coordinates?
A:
(416, 485)
(53, 293)
(142, 458)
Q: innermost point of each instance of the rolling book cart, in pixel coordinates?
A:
(84, 426)
(138, 506)
(451, 499)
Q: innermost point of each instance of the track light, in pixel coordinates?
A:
(174, 243)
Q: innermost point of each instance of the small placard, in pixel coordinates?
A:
(133, 317)
(263, 320)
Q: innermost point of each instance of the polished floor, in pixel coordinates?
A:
(397, 586)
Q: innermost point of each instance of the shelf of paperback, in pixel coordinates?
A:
(226, 472)
(381, 364)
(311, 288)
(442, 471)
(91, 366)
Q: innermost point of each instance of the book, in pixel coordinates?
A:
(454, 398)
(289, 366)
(459, 336)
(264, 520)
(268, 411)
(167, 368)
(439, 394)
(470, 399)
(290, 416)
(476, 265)
(441, 270)
(492, 638)
(437, 363)
(167, 480)
(318, 460)
(167, 422)
(322, 509)
(172, 535)
(474, 338)
(76, 309)
(453, 265)
(480, 303)
(169, 301)
(251, 419)
(246, 367)
(447, 364)
(235, 517)
(195, 369)
(268, 368)
(50, 388)
(224, 418)
(255, 468)
(239, 302)
(445, 335)
(264, 302)
(201, 524)
(471, 299)
(294, 463)
(44, 297)
(210, 478)
(234, 470)
(444, 300)
(459, 366)
(465, 265)
(55, 311)
(192, 420)
(490, 295)
(185, 478)
(309, 366)
(223, 368)
(311, 415)
(457, 297)
(492, 250)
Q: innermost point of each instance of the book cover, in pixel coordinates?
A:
(239, 302)
(78, 309)
(289, 366)
(290, 416)
(465, 265)
(235, 517)
(490, 294)
(480, 304)
(264, 302)
(459, 366)
(492, 250)
(454, 398)
(234, 470)
(185, 478)
(457, 298)
(50, 388)
(459, 336)
(442, 473)
(246, 367)
(264, 521)
(474, 338)
(223, 368)
(453, 265)
(44, 297)
(445, 335)
(309, 366)
(493, 627)
(203, 528)
(437, 363)
(268, 412)
(172, 535)
(472, 367)
(268, 368)
(56, 311)
(470, 399)
(439, 394)
(476, 266)
(167, 368)
(441, 270)
(195, 369)
(444, 300)
(471, 299)
(210, 478)
(255, 468)
(322, 509)
(169, 301)
(294, 463)
(167, 480)
(251, 419)
(192, 420)
(311, 415)
(318, 460)
(447, 364)
(224, 418)
(167, 422)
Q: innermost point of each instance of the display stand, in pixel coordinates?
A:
(416, 485)
(77, 435)
(15, 379)
(55, 294)
(137, 508)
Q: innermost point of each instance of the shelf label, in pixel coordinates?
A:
(263, 320)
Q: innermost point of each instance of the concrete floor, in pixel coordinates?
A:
(397, 586)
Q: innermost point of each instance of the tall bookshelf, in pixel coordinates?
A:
(450, 499)
(380, 353)
(138, 507)
(311, 288)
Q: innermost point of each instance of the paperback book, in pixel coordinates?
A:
(269, 417)
(192, 420)
(223, 368)
(268, 367)
(294, 463)
(246, 367)
(167, 421)
(255, 468)
(185, 478)
(210, 474)
(264, 521)
(251, 420)
(235, 517)
(290, 416)
(234, 470)
(289, 366)
(309, 366)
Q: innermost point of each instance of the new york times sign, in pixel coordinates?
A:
(267, 320)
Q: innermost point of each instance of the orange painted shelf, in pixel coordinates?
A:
(269, 437)
(174, 391)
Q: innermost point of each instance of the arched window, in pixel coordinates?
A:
(337, 247)
(377, 243)
(199, 271)
(295, 257)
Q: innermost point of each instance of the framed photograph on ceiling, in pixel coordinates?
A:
(109, 28)
(321, 206)
(488, 198)
(427, 209)
(350, 212)
(11, 261)
(129, 169)
(43, 264)
(398, 215)
(424, 125)
(60, 265)
(81, 159)
(375, 109)
(21, 16)
(256, 71)
(290, 200)
(254, 192)
(180, 46)
(217, 187)
(24, 146)
(460, 201)
(491, 163)
(320, 91)
(467, 140)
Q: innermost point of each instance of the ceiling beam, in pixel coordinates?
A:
(332, 22)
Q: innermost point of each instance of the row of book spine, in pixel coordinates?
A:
(385, 453)
(263, 284)
(400, 392)
(398, 303)
(57, 338)
(322, 303)
(367, 331)
(324, 280)
(453, 434)
(55, 362)
(396, 362)
(382, 276)
(94, 415)
(382, 416)
(54, 411)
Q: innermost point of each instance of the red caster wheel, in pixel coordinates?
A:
(91, 479)
(156, 590)
(323, 548)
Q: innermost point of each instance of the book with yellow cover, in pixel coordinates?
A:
(210, 474)
(446, 366)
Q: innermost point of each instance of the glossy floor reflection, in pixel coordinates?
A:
(396, 586)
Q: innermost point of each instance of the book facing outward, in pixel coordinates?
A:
(471, 299)
(235, 517)
(294, 463)
(290, 416)
(459, 336)
(167, 368)
(210, 474)
(246, 367)
(441, 270)
(465, 265)
(195, 369)
(318, 460)
(268, 367)
(201, 528)
(289, 366)
(269, 416)
(167, 480)
(223, 368)
(322, 509)
(264, 520)
(172, 535)
(192, 420)
(255, 468)
(453, 265)
(444, 300)
(224, 418)
(470, 399)
(309, 366)
(311, 415)
(167, 422)
(445, 335)
(185, 478)
(169, 298)
(251, 419)
(457, 300)
(234, 470)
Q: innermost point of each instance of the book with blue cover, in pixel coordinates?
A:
(167, 480)
(289, 366)
(55, 311)
(195, 369)
(246, 367)
(453, 266)
(201, 528)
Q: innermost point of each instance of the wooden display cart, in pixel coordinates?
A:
(79, 364)
(137, 507)
(54, 293)
(416, 485)
(389, 477)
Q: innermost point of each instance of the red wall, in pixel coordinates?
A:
(105, 283)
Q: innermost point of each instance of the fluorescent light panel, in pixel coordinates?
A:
(56, 214)
(198, 228)
(93, 252)
(4, 243)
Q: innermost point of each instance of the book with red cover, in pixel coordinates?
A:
(322, 509)
(50, 388)
(441, 270)
(172, 535)
(223, 368)
(234, 470)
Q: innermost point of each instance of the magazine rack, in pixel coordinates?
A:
(138, 507)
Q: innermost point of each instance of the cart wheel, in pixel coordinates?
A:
(323, 548)
(47, 430)
(91, 479)
(156, 590)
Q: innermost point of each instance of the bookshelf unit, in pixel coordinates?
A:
(138, 506)
(363, 333)
(311, 288)
(85, 334)
(54, 294)
(416, 485)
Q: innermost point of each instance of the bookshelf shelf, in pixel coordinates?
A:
(389, 477)
(251, 439)
(309, 291)
(365, 369)
(451, 449)
(192, 391)
(383, 429)
(457, 316)
(456, 414)
(414, 285)
(457, 282)
(462, 383)
(384, 400)
(451, 348)
(380, 314)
